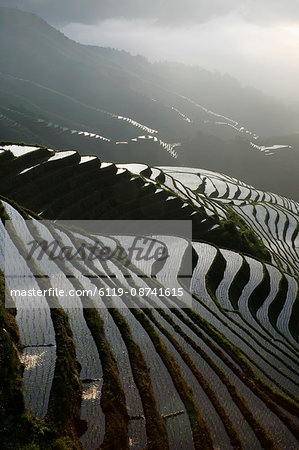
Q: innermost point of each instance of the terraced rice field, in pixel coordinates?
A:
(217, 368)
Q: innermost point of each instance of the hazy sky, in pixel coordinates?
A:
(257, 41)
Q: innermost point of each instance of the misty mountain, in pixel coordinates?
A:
(57, 92)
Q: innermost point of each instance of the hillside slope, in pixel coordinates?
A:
(124, 109)
(215, 367)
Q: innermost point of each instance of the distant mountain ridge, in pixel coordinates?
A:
(60, 93)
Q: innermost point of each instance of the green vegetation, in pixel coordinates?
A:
(235, 234)
(200, 431)
(65, 396)
(155, 425)
(251, 379)
(113, 400)
(261, 292)
(216, 271)
(293, 325)
(240, 280)
(232, 433)
(64, 405)
(235, 396)
(278, 302)
(17, 428)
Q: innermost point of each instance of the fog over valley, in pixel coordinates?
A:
(257, 42)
